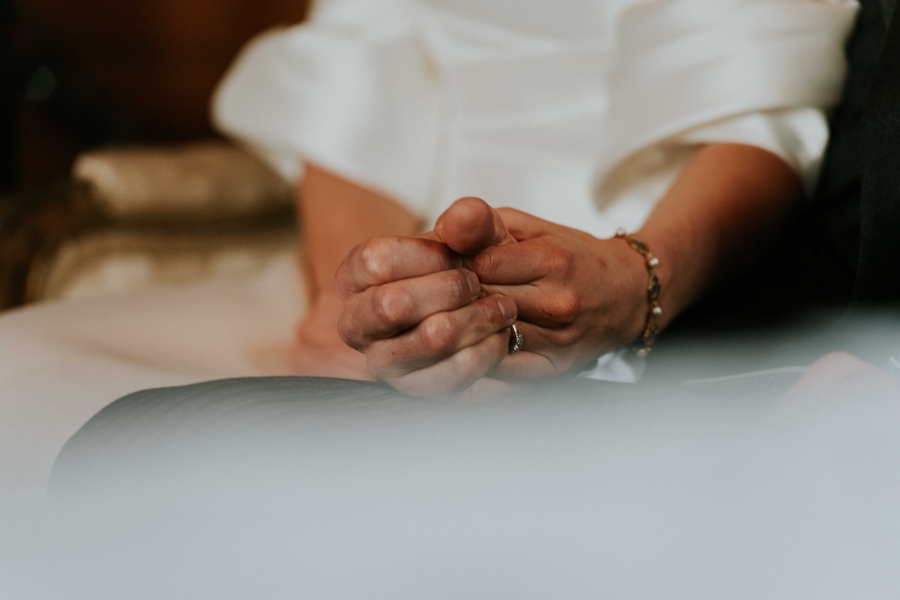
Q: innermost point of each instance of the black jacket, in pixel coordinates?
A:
(844, 248)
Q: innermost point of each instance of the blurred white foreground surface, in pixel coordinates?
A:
(61, 362)
(236, 492)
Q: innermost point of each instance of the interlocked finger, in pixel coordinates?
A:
(384, 259)
(441, 336)
(545, 353)
(457, 372)
(542, 304)
(385, 310)
(515, 264)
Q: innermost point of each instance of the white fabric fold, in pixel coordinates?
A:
(797, 135)
(351, 91)
(62, 362)
(581, 112)
(426, 101)
(684, 64)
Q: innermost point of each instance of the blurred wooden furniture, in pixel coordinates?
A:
(156, 61)
(78, 75)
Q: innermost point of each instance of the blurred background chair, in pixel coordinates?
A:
(159, 216)
(104, 186)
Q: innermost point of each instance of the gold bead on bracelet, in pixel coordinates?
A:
(643, 346)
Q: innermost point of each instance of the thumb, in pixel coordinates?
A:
(470, 225)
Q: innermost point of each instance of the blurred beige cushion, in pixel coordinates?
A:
(115, 262)
(205, 180)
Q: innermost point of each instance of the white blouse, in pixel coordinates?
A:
(581, 112)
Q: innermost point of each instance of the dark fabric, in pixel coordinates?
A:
(829, 231)
(843, 251)
(844, 248)
(887, 6)
(818, 263)
(878, 278)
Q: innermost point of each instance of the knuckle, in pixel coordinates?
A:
(465, 366)
(437, 333)
(472, 363)
(377, 259)
(391, 306)
(565, 306)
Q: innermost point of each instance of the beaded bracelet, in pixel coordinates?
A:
(643, 347)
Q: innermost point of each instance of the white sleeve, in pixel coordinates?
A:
(758, 72)
(351, 90)
(797, 135)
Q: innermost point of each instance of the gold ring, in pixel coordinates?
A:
(516, 341)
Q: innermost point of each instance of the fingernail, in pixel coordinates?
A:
(507, 307)
(474, 284)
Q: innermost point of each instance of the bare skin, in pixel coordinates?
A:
(423, 320)
(336, 215)
(575, 295)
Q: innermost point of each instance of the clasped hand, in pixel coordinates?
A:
(432, 313)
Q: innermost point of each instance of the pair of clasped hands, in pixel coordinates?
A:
(432, 313)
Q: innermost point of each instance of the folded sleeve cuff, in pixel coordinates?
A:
(759, 72)
(798, 136)
(360, 102)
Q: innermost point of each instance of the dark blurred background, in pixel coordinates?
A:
(88, 73)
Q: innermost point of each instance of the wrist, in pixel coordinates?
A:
(632, 303)
(678, 259)
(645, 340)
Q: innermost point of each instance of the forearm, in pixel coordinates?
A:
(335, 215)
(728, 205)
